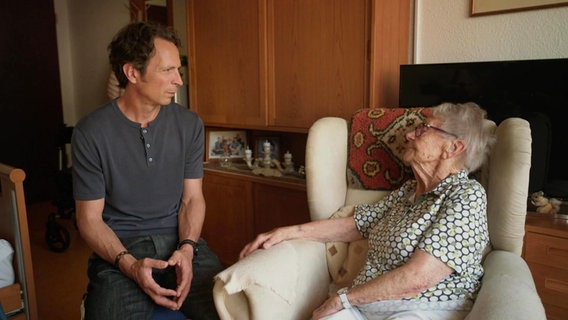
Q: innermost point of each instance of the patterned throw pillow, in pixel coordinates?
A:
(377, 139)
(344, 260)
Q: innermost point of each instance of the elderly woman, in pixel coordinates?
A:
(426, 239)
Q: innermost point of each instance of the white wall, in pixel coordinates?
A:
(445, 32)
(84, 29)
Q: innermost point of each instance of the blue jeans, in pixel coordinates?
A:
(112, 295)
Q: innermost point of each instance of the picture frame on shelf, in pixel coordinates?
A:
(220, 142)
(274, 146)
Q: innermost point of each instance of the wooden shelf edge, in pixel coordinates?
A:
(284, 181)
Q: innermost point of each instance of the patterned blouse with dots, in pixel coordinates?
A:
(449, 223)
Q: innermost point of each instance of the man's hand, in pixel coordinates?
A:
(182, 259)
(141, 273)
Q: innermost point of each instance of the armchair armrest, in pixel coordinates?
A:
(287, 281)
(507, 290)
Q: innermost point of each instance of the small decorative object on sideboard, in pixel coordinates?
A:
(248, 157)
(288, 164)
(544, 204)
(225, 159)
(267, 154)
(267, 166)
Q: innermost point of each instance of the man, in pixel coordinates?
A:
(137, 176)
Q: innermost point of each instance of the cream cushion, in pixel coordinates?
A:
(345, 260)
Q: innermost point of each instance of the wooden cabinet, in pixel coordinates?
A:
(228, 220)
(225, 61)
(546, 252)
(281, 65)
(240, 205)
(318, 60)
(276, 206)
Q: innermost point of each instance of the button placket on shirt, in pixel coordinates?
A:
(145, 135)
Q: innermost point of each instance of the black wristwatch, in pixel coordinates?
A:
(190, 242)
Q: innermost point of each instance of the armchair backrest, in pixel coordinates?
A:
(505, 176)
(507, 183)
(326, 170)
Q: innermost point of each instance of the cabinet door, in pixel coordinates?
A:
(228, 219)
(317, 59)
(226, 71)
(276, 206)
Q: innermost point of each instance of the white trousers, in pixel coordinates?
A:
(355, 314)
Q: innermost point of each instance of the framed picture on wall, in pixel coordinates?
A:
(274, 146)
(220, 142)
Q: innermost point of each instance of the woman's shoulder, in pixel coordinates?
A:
(459, 183)
(469, 185)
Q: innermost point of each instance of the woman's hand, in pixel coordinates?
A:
(330, 306)
(265, 241)
(342, 229)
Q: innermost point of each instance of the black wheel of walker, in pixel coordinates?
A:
(56, 236)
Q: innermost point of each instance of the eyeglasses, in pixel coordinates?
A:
(423, 127)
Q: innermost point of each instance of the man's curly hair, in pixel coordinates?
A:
(134, 44)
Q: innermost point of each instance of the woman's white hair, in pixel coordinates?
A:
(466, 121)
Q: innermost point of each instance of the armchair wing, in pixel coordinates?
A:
(287, 281)
(507, 290)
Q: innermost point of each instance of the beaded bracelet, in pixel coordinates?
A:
(119, 256)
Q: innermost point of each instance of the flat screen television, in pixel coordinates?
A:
(536, 90)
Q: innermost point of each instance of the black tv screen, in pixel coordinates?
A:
(536, 90)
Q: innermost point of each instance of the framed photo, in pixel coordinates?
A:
(483, 7)
(220, 142)
(274, 146)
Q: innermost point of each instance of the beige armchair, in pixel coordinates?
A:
(293, 278)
